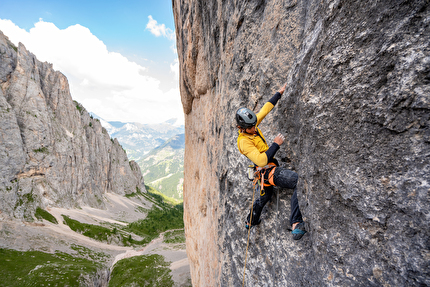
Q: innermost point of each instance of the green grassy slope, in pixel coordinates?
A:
(35, 268)
(163, 167)
(145, 270)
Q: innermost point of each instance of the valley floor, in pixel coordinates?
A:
(49, 237)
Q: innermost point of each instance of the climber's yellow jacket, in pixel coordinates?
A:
(255, 146)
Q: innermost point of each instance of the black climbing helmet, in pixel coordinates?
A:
(245, 118)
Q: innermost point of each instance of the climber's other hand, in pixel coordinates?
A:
(279, 139)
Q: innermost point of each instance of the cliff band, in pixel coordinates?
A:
(52, 153)
(356, 119)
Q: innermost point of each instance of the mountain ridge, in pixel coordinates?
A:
(157, 148)
(53, 152)
(137, 138)
(71, 202)
(163, 167)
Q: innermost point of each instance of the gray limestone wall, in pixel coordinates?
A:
(356, 119)
(52, 153)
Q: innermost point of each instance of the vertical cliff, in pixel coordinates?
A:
(51, 151)
(356, 117)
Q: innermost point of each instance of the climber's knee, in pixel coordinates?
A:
(285, 178)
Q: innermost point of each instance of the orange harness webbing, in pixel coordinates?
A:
(264, 181)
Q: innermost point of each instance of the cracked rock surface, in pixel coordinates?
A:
(356, 118)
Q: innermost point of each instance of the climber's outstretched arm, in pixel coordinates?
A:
(270, 104)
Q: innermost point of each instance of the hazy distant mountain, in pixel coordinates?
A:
(139, 139)
(163, 167)
(157, 148)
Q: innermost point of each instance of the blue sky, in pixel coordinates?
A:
(137, 36)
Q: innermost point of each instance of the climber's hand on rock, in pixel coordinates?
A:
(282, 90)
(279, 139)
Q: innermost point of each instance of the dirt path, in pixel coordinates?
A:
(130, 253)
(179, 266)
(51, 237)
(178, 256)
(65, 230)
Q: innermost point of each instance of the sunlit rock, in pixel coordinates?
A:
(52, 152)
(356, 119)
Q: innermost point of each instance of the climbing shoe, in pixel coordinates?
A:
(247, 224)
(299, 231)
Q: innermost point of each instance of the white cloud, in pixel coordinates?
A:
(174, 68)
(106, 83)
(159, 29)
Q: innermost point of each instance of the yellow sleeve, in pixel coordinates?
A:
(248, 149)
(264, 111)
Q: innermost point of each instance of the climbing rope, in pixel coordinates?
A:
(276, 236)
(249, 231)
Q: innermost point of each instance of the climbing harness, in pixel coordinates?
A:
(259, 178)
(249, 231)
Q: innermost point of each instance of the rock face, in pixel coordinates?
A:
(356, 118)
(51, 151)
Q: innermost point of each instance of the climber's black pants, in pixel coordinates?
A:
(283, 178)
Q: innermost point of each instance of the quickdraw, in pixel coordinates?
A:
(259, 178)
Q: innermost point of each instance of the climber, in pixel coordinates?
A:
(252, 144)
